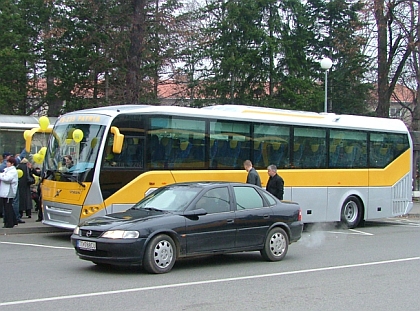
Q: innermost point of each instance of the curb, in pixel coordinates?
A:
(23, 230)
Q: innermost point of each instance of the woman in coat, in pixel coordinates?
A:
(25, 182)
(8, 189)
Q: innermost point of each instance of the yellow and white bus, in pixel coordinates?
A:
(12, 129)
(337, 167)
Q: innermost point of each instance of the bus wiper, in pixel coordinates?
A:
(81, 184)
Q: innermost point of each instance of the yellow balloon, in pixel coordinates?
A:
(70, 133)
(44, 122)
(26, 133)
(20, 173)
(94, 142)
(68, 141)
(77, 135)
(42, 151)
(38, 158)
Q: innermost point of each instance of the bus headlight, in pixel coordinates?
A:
(120, 234)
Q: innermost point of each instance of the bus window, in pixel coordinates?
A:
(385, 147)
(347, 149)
(309, 148)
(271, 145)
(176, 143)
(226, 139)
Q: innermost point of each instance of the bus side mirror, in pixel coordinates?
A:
(118, 140)
(30, 133)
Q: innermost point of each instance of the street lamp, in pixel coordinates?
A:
(326, 64)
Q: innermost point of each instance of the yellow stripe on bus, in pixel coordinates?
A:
(135, 190)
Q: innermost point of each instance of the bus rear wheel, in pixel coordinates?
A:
(351, 212)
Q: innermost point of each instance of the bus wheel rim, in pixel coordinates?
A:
(351, 212)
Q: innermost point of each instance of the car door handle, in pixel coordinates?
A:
(230, 221)
(266, 216)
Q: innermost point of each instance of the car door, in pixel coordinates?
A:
(214, 231)
(253, 217)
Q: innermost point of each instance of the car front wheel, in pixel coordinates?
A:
(276, 245)
(160, 254)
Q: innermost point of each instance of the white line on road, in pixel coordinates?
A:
(37, 245)
(141, 289)
(353, 232)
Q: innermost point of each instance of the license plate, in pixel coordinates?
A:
(86, 245)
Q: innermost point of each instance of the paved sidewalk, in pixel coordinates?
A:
(31, 226)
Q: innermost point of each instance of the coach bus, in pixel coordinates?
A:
(339, 168)
(12, 129)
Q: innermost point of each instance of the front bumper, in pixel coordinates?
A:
(121, 252)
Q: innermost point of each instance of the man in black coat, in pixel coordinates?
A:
(253, 177)
(275, 184)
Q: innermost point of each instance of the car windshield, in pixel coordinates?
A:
(170, 199)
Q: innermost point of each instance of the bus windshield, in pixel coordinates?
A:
(72, 152)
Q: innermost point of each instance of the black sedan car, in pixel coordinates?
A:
(190, 219)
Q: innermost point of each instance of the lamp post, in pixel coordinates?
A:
(326, 64)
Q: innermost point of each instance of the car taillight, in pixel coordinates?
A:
(300, 215)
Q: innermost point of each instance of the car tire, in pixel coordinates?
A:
(351, 212)
(276, 245)
(160, 254)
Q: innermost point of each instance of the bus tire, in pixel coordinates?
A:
(351, 212)
(160, 254)
(276, 245)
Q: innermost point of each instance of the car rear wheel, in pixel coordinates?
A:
(160, 254)
(276, 245)
(351, 212)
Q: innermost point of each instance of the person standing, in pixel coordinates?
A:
(8, 188)
(3, 165)
(275, 184)
(253, 176)
(24, 192)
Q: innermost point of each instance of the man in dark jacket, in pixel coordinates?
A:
(253, 177)
(275, 184)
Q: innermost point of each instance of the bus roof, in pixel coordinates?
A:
(20, 122)
(262, 114)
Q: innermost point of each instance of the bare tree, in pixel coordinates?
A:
(396, 40)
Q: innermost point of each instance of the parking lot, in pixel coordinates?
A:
(330, 268)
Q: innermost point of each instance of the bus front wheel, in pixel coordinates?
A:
(351, 212)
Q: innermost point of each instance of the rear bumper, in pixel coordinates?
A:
(296, 229)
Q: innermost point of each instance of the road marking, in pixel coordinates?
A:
(142, 289)
(360, 232)
(353, 232)
(37, 245)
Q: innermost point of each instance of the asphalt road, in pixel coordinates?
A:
(377, 266)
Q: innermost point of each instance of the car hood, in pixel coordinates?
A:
(126, 218)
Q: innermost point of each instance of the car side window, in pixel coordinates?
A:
(215, 201)
(247, 198)
(271, 201)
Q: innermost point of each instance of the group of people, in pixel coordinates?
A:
(15, 191)
(275, 184)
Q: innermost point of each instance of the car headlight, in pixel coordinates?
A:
(76, 230)
(120, 234)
